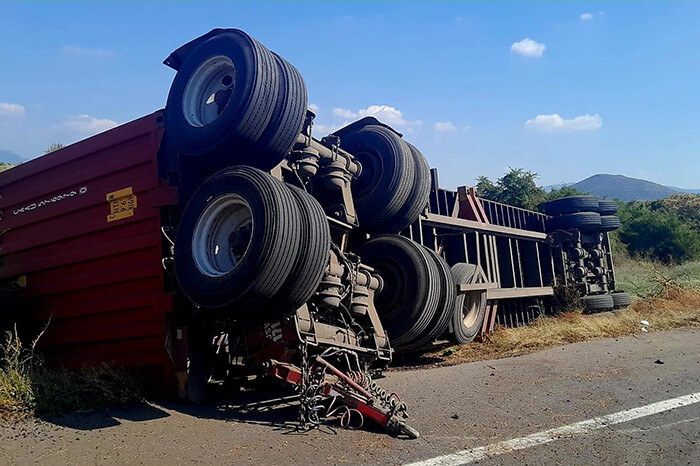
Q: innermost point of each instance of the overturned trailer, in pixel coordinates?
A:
(218, 238)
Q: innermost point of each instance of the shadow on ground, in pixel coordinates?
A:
(275, 409)
(109, 417)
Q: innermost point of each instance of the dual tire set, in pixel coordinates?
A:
(248, 240)
(418, 302)
(585, 213)
(234, 100)
(245, 239)
(606, 302)
(588, 214)
(251, 242)
(394, 185)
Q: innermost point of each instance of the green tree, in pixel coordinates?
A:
(657, 234)
(564, 191)
(54, 147)
(684, 206)
(517, 188)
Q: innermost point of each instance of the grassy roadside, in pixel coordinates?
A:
(666, 297)
(28, 389)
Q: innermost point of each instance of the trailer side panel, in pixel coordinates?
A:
(83, 226)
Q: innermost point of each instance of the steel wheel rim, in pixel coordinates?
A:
(208, 91)
(470, 309)
(222, 235)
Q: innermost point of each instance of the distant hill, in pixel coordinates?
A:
(8, 156)
(625, 188)
(683, 190)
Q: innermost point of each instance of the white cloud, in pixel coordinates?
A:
(554, 122)
(445, 126)
(86, 124)
(528, 48)
(11, 110)
(85, 52)
(314, 108)
(384, 113)
(344, 112)
(586, 16)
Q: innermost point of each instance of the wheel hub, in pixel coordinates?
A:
(222, 235)
(209, 91)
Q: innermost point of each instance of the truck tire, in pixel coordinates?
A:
(237, 240)
(569, 205)
(410, 293)
(446, 303)
(387, 177)
(469, 309)
(290, 111)
(584, 221)
(621, 299)
(597, 303)
(607, 207)
(609, 222)
(418, 198)
(223, 98)
(312, 259)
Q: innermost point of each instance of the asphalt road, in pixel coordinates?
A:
(503, 405)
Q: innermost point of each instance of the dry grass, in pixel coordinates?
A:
(675, 307)
(27, 388)
(16, 391)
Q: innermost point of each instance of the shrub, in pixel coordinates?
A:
(657, 234)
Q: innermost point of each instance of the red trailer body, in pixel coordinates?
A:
(83, 225)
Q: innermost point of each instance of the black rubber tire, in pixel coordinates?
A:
(569, 205)
(312, 260)
(475, 301)
(410, 295)
(290, 111)
(609, 222)
(584, 221)
(271, 252)
(607, 207)
(418, 198)
(387, 176)
(235, 132)
(597, 303)
(446, 303)
(621, 299)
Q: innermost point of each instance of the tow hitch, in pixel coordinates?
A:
(328, 393)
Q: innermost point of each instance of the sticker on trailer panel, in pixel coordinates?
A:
(121, 204)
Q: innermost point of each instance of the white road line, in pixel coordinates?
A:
(540, 438)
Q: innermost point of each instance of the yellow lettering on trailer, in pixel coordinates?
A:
(121, 204)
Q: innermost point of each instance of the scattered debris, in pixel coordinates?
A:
(658, 361)
(644, 322)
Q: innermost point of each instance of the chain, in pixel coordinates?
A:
(310, 388)
(303, 396)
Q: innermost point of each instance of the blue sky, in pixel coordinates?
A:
(596, 88)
